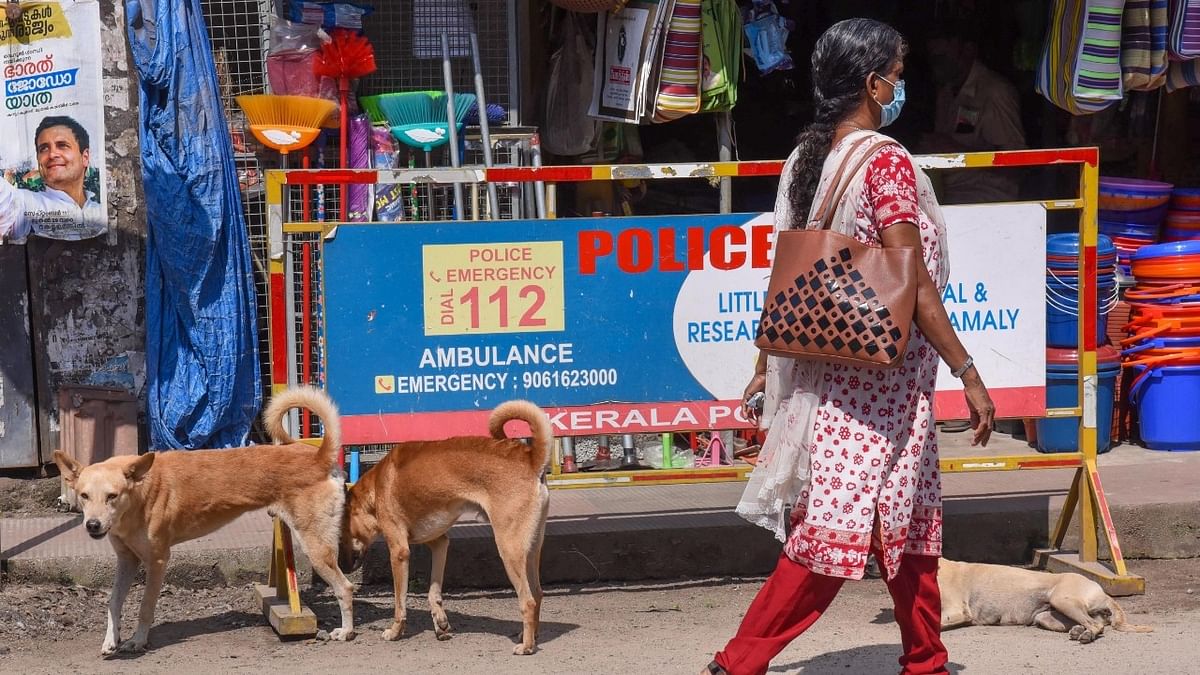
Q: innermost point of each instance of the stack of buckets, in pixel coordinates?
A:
(1163, 350)
(1183, 219)
(1132, 213)
(1062, 341)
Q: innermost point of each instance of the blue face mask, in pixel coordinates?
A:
(890, 112)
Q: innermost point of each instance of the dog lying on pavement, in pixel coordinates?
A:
(420, 489)
(146, 505)
(975, 594)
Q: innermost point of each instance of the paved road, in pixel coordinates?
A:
(659, 629)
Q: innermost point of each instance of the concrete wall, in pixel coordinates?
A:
(87, 298)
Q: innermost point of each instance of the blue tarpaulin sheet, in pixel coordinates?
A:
(201, 359)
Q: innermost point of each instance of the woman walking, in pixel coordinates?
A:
(853, 449)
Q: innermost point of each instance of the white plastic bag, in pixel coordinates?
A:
(568, 129)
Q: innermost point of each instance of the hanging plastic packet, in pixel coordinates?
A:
(767, 34)
(329, 15)
(359, 208)
(294, 48)
(389, 198)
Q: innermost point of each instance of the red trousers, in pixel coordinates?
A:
(793, 598)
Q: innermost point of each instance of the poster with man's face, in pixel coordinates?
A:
(52, 123)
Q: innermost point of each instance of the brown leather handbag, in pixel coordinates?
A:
(833, 298)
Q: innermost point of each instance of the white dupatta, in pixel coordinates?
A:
(794, 385)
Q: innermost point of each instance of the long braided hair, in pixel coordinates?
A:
(841, 61)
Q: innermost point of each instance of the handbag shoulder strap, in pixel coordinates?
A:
(841, 180)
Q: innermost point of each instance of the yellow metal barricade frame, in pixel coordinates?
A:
(1086, 493)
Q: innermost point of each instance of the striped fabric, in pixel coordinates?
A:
(1081, 60)
(679, 83)
(1098, 62)
(1144, 44)
(1183, 74)
(1184, 42)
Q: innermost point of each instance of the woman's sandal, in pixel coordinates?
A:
(715, 669)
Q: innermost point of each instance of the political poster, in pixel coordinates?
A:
(52, 123)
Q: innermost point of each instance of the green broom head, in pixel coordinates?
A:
(370, 105)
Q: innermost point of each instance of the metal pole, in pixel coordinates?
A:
(629, 452)
(568, 455)
(484, 132)
(539, 188)
(451, 117)
(725, 143)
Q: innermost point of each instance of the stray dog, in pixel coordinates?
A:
(996, 595)
(419, 490)
(148, 504)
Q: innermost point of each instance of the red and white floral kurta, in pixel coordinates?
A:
(874, 449)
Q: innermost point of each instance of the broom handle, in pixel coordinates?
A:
(307, 192)
(484, 131)
(452, 122)
(344, 95)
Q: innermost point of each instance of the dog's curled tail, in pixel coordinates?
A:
(538, 423)
(1119, 623)
(315, 400)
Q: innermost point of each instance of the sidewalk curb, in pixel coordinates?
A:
(663, 546)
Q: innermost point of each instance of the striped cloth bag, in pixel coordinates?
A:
(1144, 44)
(1183, 74)
(1184, 42)
(679, 73)
(1081, 60)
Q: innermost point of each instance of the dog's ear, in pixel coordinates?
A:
(137, 470)
(68, 467)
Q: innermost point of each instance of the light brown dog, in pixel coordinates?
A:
(420, 490)
(146, 505)
(975, 594)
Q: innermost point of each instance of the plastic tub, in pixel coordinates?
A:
(1160, 393)
(1171, 250)
(1062, 391)
(1120, 228)
(1181, 235)
(1186, 199)
(1143, 216)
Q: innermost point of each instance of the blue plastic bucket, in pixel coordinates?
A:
(1062, 311)
(1062, 391)
(1068, 245)
(1163, 398)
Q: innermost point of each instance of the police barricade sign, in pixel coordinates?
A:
(621, 325)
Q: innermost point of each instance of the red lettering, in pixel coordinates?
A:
(593, 244)
(695, 242)
(635, 250)
(666, 251)
(638, 250)
(760, 245)
(723, 259)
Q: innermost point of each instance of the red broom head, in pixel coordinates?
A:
(347, 55)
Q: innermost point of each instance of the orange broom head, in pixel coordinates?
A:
(285, 123)
(347, 56)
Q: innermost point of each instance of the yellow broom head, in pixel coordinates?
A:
(285, 123)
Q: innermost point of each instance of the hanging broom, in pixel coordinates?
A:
(347, 56)
(285, 123)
